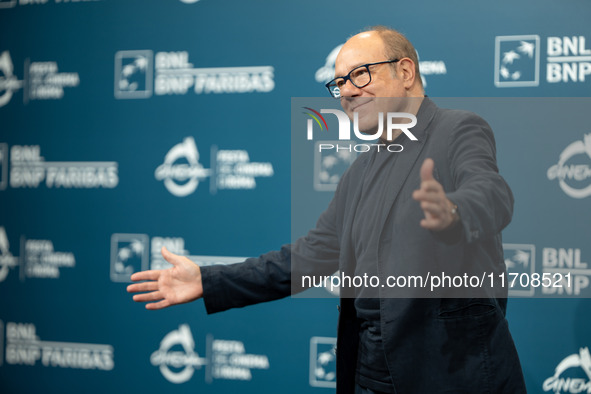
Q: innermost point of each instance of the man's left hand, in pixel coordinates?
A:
(434, 203)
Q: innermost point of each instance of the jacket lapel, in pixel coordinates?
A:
(409, 156)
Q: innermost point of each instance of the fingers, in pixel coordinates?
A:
(433, 200)
(427, 170)
(141, 287)
(433, 209)
(172, 258)
(430, 191)
(431, 224)
(146, 275)
(145, 297)
(157, 305)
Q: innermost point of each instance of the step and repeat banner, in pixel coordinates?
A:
(130, 125)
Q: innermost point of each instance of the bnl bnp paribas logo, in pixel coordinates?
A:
(517, 60)
(182, 172)
(333, 157)
(323, 358)
(140, 73)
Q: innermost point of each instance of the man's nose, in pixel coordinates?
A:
(349, 90)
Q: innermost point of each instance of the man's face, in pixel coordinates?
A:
(364, 48)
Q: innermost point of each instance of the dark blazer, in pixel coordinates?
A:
(432, 345)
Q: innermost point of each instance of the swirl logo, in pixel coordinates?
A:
(181, 170)
(177, 366)
(573, 169)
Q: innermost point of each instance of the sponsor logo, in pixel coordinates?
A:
(7, 260)
(568, 59)
(23, 347)
(330, 165)
(517, 60)
(323, 370)
(581, 364)
(563, 271)
(573, 170)
(430, 67)
(227, 359)
(13, 3)
(566, 261)
(231, 169)
(28, 169)
(177, 366)
(234, 170)
(8, 81)
(131, 253)
(230, 361)
(326, 73)
(3, 166)
(133, 74)
(426, 67)
(40, 260)
(520, 259)
(173, 74)
(43, 81)
(7, 3)
(181, 170)
(1, 342)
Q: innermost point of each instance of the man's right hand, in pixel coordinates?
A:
(178, 284)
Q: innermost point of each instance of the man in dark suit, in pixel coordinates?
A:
(438, 205)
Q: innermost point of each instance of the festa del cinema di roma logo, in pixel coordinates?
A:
(177, 366)
(392, 123)
(573, 176)
(559, 384)
(182, 179)
(231, 169)
(225, 359)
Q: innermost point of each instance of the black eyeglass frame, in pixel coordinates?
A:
(348, 76)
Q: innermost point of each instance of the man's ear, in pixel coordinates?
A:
(406, 71)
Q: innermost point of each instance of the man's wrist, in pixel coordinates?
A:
(455, 214)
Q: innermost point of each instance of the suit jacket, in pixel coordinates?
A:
(432, 345)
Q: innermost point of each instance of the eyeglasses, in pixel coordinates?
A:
(359, 77)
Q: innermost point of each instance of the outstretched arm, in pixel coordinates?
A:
(178, 284)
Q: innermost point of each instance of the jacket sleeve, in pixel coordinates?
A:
(484, 200)
(275, 274)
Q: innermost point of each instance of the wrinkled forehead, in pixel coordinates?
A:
(363, 48)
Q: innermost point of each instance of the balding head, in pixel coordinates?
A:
(377, 45)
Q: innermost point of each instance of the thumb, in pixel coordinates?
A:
(427, 170)
(169, 256)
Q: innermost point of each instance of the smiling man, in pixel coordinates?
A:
(438, 203)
